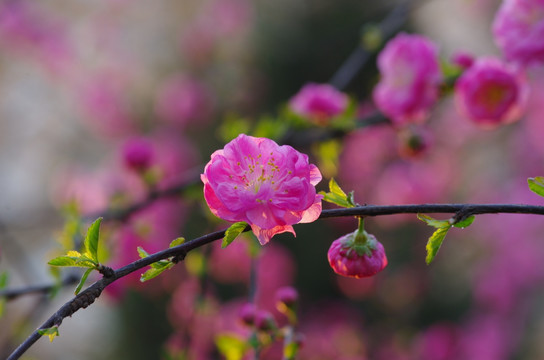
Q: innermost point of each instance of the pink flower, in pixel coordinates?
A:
(491, 93)
(519, 28)
(319, 102)
(410, 78)
(255, 180)
(348, 256)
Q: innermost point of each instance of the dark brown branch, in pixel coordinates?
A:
(89, 295)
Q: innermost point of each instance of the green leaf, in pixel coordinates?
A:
(3, 284)
(465, 222)
(3, 280)
(177, 242)
(232, 233)
(536, 185)
(434, 243)
(290, 351)
(74, 261)
(433, 222)
(52, 332)
(231, 346)
(91, 240)
(82, 281)
(156, 269)
(337, 196)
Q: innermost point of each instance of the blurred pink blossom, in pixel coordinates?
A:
(137, 153)
(25, 28)
(269, 186)
(349, 258)
(519, 29)
(438, 342)
(106, 108)
(182, 100)
(152, 228)
(319, 102)
(491, 93)
(410, 78)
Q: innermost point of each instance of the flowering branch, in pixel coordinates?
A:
(178, 253)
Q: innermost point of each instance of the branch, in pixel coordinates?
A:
(89, 295)
(11, 294)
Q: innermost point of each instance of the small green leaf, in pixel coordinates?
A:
(82, 281)
(536, 185)
(156, 269)
(3, 284)
(52, 332)
(290, 351)
(142, 252)
(232, 233)
(3, 280)
(465, 222)
(337, 196)
(434, 243)
(91, 240)
(433, 222)
(231, 346)
(177, 242)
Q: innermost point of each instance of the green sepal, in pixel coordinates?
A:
(465, 222)
(91, 240)
(434, 243)
(433, 222)
(82, 281)
(52, 332)
(157, 268)
(232, 233)
(231, 346)
(536, 185)
(337, 196)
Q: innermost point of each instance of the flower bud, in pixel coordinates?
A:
(264, 321)
(349, 256)
(137, 154)
(247, 314)
(287, 295)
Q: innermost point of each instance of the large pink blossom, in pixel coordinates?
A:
(271, 187)
(519, 28)
(491, 93)
(319, 102)
(410, 78)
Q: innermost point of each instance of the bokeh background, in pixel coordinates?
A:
(78, 79)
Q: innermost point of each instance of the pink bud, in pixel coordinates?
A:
(264, 320)
(348, 258)
(415, 142)
(491, 93)
(462, 59)
(247, 313)
(287, 295)
(137, 154)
